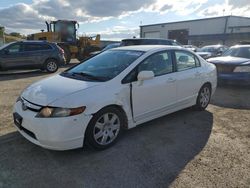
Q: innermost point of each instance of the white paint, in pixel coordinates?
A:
(152, 98)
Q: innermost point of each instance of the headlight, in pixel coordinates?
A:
(242, 69)
(47, 112)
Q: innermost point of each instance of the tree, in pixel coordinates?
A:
(15, 34)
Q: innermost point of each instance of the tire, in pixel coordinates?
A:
(101, 133)
(51, 65)
(67, 54)
(203, 98)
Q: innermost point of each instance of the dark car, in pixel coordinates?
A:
(31, 55)
(109, 46)
(233, 67)
(211, 51)
(145, 41)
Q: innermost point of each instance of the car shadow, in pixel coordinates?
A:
(150, 155)
(235, 97)
(21, 74)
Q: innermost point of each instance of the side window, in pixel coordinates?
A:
(45, 47)
(185, 60)
(31, 47)
(36, 47)
(15, 48)
(159, 63)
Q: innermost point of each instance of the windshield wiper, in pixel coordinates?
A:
(84, 74)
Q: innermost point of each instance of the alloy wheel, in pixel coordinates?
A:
(205, 97)
(106, 128)
(51, 66)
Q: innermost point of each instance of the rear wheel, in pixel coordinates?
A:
(51, 65)
(203, 98)
(105, 128)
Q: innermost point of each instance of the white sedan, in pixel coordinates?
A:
(118, 89)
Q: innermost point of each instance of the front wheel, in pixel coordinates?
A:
(203, 98)
(51, 65)
(105, 128)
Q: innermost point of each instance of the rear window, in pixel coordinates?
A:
(145, 42)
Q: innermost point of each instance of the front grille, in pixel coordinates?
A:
(225, 68)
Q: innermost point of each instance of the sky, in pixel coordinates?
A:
(113, 19)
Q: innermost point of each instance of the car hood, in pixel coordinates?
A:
(53, 88)
(229, 60)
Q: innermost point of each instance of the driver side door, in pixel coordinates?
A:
(154, 97)
(13, 56)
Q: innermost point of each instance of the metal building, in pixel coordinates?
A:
(228, 30)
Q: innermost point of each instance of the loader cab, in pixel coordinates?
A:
(67, 30)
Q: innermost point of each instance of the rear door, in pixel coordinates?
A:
(189, 76)
(13, 56)
(36, 54)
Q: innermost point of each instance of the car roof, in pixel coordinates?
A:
(137, 39)
(213, 46)
(146, 48)
(35, 41)
(241, 46)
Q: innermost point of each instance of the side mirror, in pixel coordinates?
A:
(145, 75)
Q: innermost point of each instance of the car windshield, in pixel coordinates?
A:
(238, 52)
(104, 66)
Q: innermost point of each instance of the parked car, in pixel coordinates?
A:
(233, 66)
(147, 41)
(191, 47)
(109, 46)
(115, 90)
(31, 55)
(211, 51)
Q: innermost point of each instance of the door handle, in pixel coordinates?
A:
(171, 80)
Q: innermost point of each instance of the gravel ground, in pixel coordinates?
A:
(184, 149)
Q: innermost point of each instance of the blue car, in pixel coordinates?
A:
(233, 67)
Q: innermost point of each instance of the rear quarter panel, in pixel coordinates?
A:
(210, 74)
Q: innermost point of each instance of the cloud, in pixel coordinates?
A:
(29, 18)
(239, 3)
(229, 7)
(117, 33)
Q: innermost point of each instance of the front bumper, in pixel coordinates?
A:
(62, 133)
(235, 78)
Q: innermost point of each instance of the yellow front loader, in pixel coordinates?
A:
(63, 32)
(2, 38)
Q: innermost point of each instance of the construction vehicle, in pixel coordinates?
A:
(2, 38)
(64, 33)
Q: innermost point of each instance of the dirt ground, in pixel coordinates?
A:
(184, 149)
